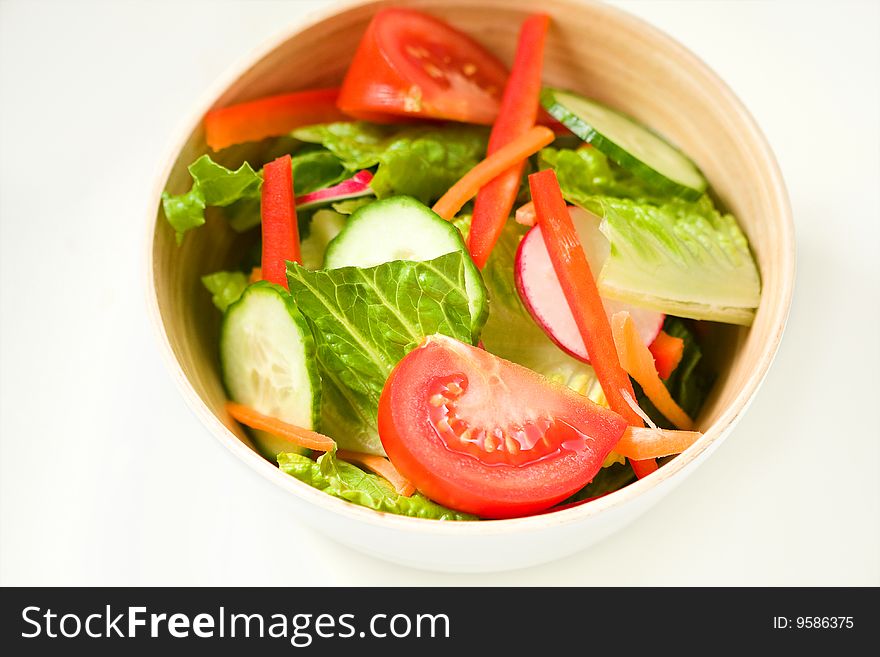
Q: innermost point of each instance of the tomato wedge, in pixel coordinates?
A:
(412, 64)
(489, 437)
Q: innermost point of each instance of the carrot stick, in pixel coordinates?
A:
(296, 435)
(642, 443)
(519, 110)
(504, 158)
(382, 467)
(579, 286)
(256, 275)
(639, 363)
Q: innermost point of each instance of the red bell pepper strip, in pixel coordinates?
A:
(280, 230)
(579, 286)
(270, 117)
(667, 352)
(643, 468)
(519, 111)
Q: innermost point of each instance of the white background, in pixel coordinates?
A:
(106, 477)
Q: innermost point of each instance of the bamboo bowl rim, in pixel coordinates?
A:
(716, 432)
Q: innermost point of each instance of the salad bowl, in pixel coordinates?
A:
(591, 48)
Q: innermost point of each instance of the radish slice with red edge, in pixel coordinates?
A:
(355, 187)
(542, 294)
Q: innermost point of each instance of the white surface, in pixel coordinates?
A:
(106, 477)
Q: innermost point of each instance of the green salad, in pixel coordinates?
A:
(473, 296)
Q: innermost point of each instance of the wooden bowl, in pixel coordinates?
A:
(598, 50)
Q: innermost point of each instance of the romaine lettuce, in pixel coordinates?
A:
(418, 161)
(607, 480)
(225, 287)
(678, 257)
(316, 170)
(586, 172)
(239, 191)
(348, 482)
(213, 185)
(366, 320)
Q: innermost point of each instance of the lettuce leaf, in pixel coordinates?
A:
(216, 186)
(345, 417)
(418, 161)
(225, 287)
(678, 257)
(316, 170)
(213, 185)
(607, 480)
(357, 143)
(366, 319)
(586, 172)
(348, 482)
(690, 382)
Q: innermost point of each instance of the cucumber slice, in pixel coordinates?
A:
(402, 228)
(267, 354)
(627, 142)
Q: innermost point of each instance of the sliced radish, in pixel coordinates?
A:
(542, 294)
(356, 186)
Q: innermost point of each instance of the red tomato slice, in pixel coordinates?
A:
(411, 64)
(486, 436)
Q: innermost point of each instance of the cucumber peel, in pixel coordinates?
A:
(403, 228)
(268, 360)
(627, 142)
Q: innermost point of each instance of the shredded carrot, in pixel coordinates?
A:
(256, 275)
(504, 158)
(319, 442)
(638, 362)
(296, 435)
(642, 443)
(382, 467)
